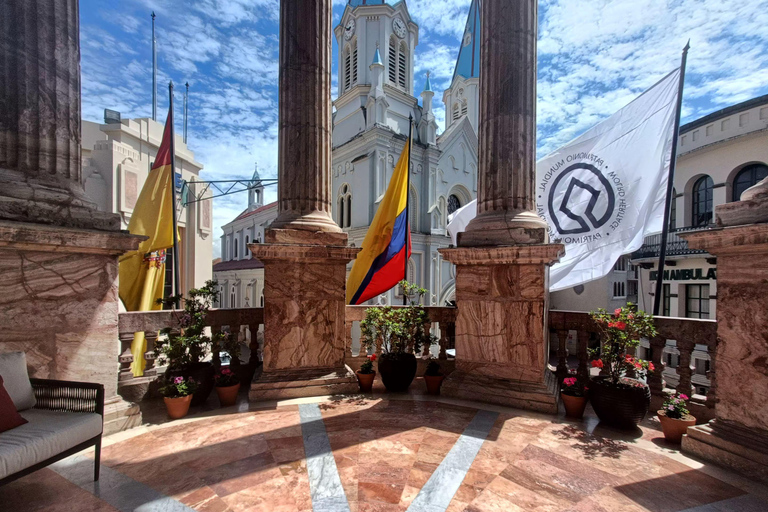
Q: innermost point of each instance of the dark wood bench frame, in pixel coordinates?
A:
(66, 396)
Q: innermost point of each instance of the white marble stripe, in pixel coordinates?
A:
(118, 490)
(324, 481)
(745, 503)
(439, 490)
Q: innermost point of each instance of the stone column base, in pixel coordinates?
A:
(730, 445)
(302, 383)
(120, 415)
(521, 395)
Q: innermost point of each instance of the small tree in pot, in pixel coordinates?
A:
(366, 374)
(620, 398)
(401, 332)
(184, 348)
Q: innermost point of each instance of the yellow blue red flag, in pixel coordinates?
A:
(381, 262)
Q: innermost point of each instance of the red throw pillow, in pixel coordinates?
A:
(9, 417)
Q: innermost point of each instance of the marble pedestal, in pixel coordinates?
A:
(738, 436)
(304, 306)
(59, 305)
(501, 326)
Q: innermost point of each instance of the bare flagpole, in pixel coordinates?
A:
(176, 277)
(407, 206)
(670, 185)
(154, 70)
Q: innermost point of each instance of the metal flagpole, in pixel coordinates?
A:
(176, 279)
(407, 213)
(154, 70)
(670, 185)
(186, 110)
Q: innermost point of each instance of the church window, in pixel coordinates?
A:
(247, 241)
(347, 68)
(393, 60)
(354, 62)
(403, 65)
(232, 298)
(344, 203)
(456, 112)
(453, 204)
(235, 255)
(464, 108)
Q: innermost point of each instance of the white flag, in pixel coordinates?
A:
(603, 192)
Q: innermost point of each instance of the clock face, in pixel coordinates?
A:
(399, 27)
(349, 29)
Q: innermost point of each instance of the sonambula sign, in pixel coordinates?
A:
(686, 274)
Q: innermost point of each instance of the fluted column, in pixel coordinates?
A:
(507, 128)
(304, 133)
(40, 141)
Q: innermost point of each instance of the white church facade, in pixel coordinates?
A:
(374, 101)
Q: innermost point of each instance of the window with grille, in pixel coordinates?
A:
(402, 66)
(393, 61)
(665, 300)
(747, 178)
(621, 265)
(464, 108)
(354, 62)
(619, 290)
(453, 204)
(697, 301)
(456, 112)
(702, 201)
(347, 69)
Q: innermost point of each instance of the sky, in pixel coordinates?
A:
(594, 57)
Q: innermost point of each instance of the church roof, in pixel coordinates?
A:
(428, 85)
(356, 3)
(377, 57)
(468, 63)
(255, 179)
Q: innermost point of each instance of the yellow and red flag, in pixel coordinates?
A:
(142, 272)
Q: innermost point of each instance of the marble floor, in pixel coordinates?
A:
(384, 453)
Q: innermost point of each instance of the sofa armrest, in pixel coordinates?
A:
(61, 395)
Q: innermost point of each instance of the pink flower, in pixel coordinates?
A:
(684, 397)
(178, 380)
(226, 371)
(617, 312)
(570, 381)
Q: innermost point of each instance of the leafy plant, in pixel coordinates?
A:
(573, 385)
(226, 378)
(189, 343)
(177, 387)
(433, 369)
(676, 406)
(399, 330)
(367, 367)
(621, 331)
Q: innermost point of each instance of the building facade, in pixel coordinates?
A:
(117, 157)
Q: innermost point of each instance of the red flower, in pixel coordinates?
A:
(372, 357)
(628, 358)
(620, 326)
(631, 316)
(639, 366)
(597, 363)
(617, 312)
(651, 367)
(611, 325)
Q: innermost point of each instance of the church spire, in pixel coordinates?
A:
(468, 63)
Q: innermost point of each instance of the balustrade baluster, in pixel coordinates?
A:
(711, 375)
(126, 357)
(443, 341)
(684, 370)
(583, 371)
(562, 354)
(254, 346)
(348, 340)
(149, 354)
(655, 380)
(428, 329)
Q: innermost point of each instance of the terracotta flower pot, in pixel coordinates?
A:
(675, 428)
(227, 394)
(433, 383)
(365, 381)
(574, 405)
(177, 407)
(203, 373)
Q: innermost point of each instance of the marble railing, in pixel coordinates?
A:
(680, 334)
(245, 322)
(443, 325)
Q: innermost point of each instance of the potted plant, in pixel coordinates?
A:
(573, 393)
(433, 378)
(621, 397)
(177, 394)
(184, 348)
(400, 332)
(227, 386)
(675, 417)
(366, 374)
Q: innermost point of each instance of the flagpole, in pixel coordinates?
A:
(407, 213)
(176, 279)
(670, 185)
(154, 70)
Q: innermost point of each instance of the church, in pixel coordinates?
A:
(377, 43)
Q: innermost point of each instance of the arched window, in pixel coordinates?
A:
(673, 211)
(235, 254)
(453, 204)
(393, 60)
(347, 68)
(402, 64)
(247, 241)
(261, 301)
(702, 201)
(232, 298)
(456, 111)
(747, 178)
(344, 203)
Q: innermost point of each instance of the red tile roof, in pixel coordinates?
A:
(238, 265)
(260, 209)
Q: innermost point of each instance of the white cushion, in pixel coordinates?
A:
(13, 368)
(48, 433)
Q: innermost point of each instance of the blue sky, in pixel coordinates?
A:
(594, 57)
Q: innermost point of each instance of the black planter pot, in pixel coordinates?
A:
(397, 371)
(623, 405)
(203, 374)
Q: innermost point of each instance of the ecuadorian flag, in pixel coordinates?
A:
(380, 265)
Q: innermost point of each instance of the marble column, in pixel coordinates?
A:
(305, 254)
(738, 436)
(58, 254)
(502, 258)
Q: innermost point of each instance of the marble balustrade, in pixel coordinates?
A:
(686, 333)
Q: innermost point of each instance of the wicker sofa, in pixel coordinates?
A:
(66, 417)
